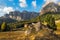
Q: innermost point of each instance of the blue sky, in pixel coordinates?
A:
(30, 5)
(16, 5)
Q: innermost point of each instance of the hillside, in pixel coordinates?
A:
(56, 15)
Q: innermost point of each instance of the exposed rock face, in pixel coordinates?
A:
(25, 15)
(59, 3)
(41, 32)
(50, 7)
(32, 27)
(37, 26)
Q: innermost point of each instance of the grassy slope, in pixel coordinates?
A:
(57, 20)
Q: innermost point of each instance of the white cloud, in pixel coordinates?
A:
(7, 9)
(23, 3)
(34, 3)
(4, 10)
(1, 11)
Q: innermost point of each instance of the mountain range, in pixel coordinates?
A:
(21, 16)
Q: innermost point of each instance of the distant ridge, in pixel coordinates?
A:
(20, 16)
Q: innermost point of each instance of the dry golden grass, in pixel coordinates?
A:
(16, 35)
(58, 27)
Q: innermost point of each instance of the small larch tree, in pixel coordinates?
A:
(3, 26)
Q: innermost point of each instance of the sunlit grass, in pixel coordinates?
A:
(58, 27)
(58, 24)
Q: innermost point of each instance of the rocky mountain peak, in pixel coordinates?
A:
(50, 7)
(59, 3)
